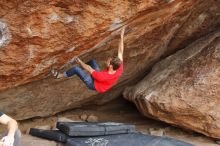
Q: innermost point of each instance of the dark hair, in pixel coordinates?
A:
(115, 62)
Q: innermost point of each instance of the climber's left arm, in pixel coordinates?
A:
(121, 45)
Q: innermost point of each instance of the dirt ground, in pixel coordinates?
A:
(118, 110)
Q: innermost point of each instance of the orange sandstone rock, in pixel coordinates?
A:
(38, 34)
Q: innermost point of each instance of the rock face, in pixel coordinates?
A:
(35, 35)
(184, 88)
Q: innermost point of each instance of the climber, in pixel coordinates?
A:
(12, 137)
(97, 80)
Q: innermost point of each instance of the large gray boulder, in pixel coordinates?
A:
(184, 88)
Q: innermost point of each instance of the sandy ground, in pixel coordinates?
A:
(116, 111)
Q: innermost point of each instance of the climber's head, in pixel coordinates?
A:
(113, 62)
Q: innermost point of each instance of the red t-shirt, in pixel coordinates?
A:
(104, 81)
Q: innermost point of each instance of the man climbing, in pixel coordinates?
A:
(12, 138)
(97, 80)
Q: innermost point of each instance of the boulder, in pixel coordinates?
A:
(38, 35)
(184, 88)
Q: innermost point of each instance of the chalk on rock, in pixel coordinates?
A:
(5, 36)
(115, 24)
